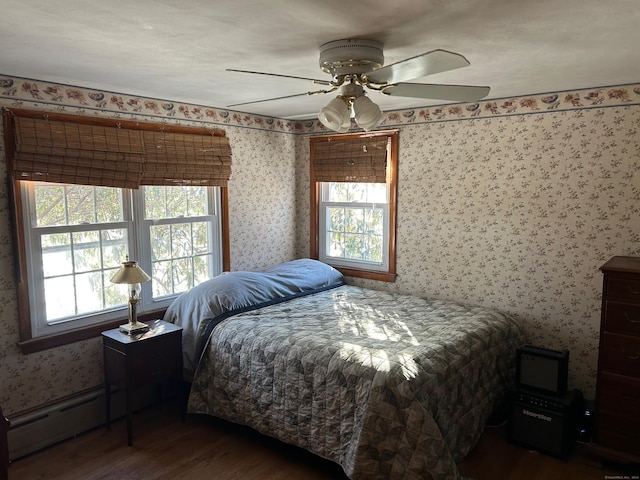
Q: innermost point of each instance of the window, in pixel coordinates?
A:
(355, 224)
(88, 192)
(353, 208)
(183, 228)
(78, 235)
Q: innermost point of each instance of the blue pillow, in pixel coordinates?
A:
(229, 291)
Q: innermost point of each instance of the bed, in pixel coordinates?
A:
(388, 386)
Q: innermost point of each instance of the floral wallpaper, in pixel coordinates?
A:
(516, 204)
(510, 203)
(518, 213)
(262, 205)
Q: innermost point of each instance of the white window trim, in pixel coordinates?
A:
(138, 240)
(323, 232)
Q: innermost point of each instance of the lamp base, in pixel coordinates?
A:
(134, 328)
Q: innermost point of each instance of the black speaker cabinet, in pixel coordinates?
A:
(548, 424)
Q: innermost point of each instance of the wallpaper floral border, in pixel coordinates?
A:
(45, 95)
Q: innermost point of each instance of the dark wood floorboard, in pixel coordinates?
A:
(495, 458)
(204, 448)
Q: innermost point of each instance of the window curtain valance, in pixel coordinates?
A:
(352, 159)
(72, 149)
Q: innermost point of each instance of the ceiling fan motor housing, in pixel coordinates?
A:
(350, 56)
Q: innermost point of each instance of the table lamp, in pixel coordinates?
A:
(131, 274)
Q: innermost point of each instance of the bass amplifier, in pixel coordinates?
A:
(548, 424)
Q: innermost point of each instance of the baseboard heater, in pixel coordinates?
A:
(54, 423)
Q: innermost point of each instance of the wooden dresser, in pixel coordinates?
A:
(617, 416)
(4, 447)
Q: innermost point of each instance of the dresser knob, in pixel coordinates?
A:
(630, 354)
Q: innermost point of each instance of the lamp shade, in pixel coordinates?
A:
(335, 114)
(367, 114)
(130, 273)
(346, 123)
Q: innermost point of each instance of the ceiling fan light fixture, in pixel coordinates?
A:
(346, 123)
(350, 56)
(336, 114)
(367, 114)
(356, 64)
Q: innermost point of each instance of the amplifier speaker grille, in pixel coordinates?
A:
(546, 424)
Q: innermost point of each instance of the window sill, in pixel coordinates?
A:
(368, 274)
(51, 341)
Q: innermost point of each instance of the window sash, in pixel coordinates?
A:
(214, 237)
(325, 232)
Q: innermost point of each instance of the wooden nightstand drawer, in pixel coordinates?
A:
(622, 317)
(621, 354)
(620, 394)
(155, 361)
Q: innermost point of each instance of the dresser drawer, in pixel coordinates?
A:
(620, 353)
(622, 287)
(619, 433)
(622, 317)
(620, 394)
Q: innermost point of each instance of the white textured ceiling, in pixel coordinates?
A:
(179, 50)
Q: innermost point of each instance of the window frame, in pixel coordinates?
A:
(323, 236)
(27, 342)
(30, 343)
(388, 275)
(32, 234)
(137, 245)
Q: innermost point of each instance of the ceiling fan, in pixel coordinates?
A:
(357, 64)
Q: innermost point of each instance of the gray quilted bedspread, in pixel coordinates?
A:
(387, 386)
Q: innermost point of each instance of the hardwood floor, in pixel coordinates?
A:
(203, 448)
(495, 458)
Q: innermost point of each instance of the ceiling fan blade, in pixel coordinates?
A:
(278, 98)
(458, 93)
(314, 80)
(428, 63)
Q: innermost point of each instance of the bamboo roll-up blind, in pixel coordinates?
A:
(361, 160)
(124, 154)
(183, 159)
(64, 152)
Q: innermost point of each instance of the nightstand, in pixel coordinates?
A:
(149, 358)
